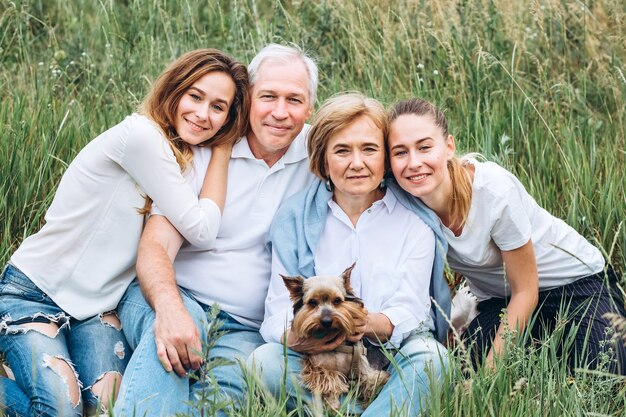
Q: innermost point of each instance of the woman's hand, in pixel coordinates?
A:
(225, 149)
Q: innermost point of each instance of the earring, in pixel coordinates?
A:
(383, 183)
(329, 185)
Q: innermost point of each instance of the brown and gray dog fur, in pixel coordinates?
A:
(323, 305)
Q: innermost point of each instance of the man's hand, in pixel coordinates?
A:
(176, 336)
(313, 346)
(177, 339)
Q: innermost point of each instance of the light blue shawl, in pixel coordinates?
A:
(298, 225)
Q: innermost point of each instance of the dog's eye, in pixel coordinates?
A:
(337, 301)
(312, 303)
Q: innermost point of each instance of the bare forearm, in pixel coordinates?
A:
(521, 271)
(176, 335)
(157, 278)
(379, 327)
(215, 180)
(158, 248)
(519, 311)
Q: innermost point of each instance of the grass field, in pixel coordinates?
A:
(539, 86)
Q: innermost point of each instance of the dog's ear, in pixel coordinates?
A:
(294, 285)
(345, 275)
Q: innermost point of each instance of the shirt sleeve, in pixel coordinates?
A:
(409, 308)
(278, 307)
(149, 160)
(511, 228)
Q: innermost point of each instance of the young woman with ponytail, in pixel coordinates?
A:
(512, 252)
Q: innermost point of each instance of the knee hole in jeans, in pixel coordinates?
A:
(111, 319)
(47, 329)
(65, 370)
(106, 388)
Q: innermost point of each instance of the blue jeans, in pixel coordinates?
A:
(90, 347)
(419, 362)
(13, 401)
(147, 389)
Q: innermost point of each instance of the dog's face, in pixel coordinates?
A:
(323, 305)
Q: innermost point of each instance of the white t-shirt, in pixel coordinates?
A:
(394, 252)
(84, 255)
(503, 217)
(235, 272)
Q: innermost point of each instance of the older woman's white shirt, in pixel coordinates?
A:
(84, 255)
(394, 253)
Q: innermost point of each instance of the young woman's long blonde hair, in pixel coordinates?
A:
(162, 100)
(461, 196)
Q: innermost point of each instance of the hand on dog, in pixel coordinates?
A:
(177, 341)
(312, 345)
(360, 324)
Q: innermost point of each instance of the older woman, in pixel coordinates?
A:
(350, 215)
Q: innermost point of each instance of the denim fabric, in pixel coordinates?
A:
(419, 363)
(147, 389)
(91, 347)
(582, 303)
(13, 401)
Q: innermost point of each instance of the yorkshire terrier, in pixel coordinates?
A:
(323, 306)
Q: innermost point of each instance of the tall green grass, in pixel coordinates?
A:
(538, 86)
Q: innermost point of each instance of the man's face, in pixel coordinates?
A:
(280, 105)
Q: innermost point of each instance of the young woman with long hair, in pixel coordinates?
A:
(512, 252)
(59, 331)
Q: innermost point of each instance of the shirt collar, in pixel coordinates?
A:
(388, 201)
(295, 153)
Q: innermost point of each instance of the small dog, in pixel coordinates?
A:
(323, 305)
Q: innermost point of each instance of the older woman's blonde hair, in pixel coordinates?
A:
(337, 113)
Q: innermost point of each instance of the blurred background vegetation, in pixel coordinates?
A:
(538, 86)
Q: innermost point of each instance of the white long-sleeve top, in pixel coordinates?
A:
(84, 256)
(393, 250)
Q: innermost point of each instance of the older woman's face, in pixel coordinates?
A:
(355, 157)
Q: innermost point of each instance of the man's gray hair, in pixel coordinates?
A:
(286, 54)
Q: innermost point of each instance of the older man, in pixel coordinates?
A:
(167, 332)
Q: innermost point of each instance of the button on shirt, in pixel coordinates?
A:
(393, 250)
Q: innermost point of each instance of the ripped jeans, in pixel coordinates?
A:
(56, 359)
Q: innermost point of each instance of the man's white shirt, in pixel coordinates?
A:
(235, 273)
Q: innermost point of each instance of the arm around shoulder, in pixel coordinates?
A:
(150, 162)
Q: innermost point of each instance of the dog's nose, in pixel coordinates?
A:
(326, 322)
